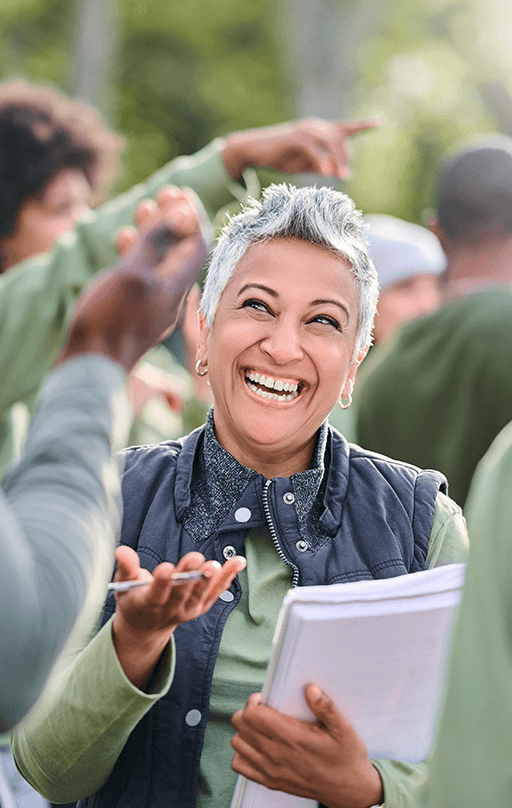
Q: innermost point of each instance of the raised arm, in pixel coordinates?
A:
(36, 296)
(56, 525)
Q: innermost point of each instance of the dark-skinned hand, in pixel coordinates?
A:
(326, 761)
(129, 308)
(311, 145)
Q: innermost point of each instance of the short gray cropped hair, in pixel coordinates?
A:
(320, 216)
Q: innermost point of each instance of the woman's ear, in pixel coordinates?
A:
(203, 340)
(348, 387)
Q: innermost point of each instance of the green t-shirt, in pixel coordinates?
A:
(439, 393)
(71, 745)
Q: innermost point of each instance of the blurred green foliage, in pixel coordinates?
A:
(186, 72)
(418, 73)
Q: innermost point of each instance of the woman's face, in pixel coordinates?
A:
(281, 352)
(44, 218)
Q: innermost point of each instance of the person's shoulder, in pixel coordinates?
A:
(358, 456)
(486, 300)
(150, 453)
(385, 476)
(357, 453)
(480, 328)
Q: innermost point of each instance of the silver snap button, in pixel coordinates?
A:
(243, 515)
(228, 551)
(289, 498)
(193, 718)
(227, 596)
(302, 546)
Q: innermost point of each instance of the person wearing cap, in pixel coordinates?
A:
(409, 260)
(439, 394)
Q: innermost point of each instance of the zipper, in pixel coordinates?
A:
(273, 534)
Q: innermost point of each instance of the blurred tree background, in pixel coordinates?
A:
(169, 76)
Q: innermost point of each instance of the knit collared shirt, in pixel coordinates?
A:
(218, 481)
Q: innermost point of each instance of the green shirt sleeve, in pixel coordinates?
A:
(448, 544)
(67, 750)
(36, 296)
(57, 524)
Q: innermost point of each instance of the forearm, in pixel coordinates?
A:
(57, 525)
(69, 747)
(138, 652)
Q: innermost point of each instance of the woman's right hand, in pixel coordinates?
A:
(146, 617)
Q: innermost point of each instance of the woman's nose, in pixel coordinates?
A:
(283, 344)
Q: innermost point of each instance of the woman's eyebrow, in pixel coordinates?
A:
(258, 286)
(334, 303)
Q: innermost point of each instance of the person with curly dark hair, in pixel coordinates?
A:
(56, 159)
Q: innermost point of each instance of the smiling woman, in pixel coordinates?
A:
(145, 714)
(280, 352)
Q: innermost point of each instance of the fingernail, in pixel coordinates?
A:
(315, 694)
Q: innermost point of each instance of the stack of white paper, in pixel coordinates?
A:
(378, 649)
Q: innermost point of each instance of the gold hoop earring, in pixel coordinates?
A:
(203, 372)
(344, 403)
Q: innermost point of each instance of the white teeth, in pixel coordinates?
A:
(272, 384)
(272, 396)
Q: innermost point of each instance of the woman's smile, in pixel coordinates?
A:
(281, 351)
(272, 389)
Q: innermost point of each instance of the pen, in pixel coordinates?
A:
(177, 578)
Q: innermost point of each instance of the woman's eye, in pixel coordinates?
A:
(326, 320)
(256, 304)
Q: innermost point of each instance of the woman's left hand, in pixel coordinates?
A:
(326, 761)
